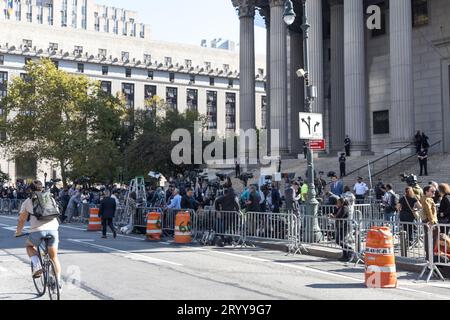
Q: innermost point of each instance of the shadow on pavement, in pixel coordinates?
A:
(337, 286)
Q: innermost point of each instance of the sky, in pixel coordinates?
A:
(190, 21)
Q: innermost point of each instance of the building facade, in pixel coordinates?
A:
(109, 45)
(379, 86)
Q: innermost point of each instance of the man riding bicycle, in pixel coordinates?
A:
(39, 229)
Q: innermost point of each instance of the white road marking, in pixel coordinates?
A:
(309, 269)
(82, 240)
(3, 225)
(128, 255)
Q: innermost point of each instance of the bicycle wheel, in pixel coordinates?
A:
(40, 283)
(52, 282)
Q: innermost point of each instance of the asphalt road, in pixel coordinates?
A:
(133, 269)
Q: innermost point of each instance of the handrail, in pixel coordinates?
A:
(379, 159)
(404, 160)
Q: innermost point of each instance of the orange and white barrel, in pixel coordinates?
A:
(95, 222)
(183, 228)
(154, 230)
(380, 259)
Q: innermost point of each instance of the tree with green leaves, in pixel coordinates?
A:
(64, 118)
(152, 147)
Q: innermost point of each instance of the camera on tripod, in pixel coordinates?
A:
(410, 179)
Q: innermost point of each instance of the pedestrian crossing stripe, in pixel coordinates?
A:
(385, 251)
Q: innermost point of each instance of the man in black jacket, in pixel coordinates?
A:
(227, 202)
(107, 212)
(188, 201)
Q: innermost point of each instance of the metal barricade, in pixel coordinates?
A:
(273, 227)
(10, 206)
(221, 223)
(439, 250)
(333, 233)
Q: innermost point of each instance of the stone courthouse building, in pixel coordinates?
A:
(378, 86)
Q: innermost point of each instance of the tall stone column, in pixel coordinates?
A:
(337, 112)
(296, 90)
(315, 48)
(278, 78)
(355, 79)
(247, 64)
(402, 95)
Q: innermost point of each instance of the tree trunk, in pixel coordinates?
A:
(63, 173)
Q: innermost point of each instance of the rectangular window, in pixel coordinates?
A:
(226, 67)
(25, 77)
(150, 74)
(168, 61)
(56, 63)
(147, 58)
(80, 67)
(172, 77)
(211, 81)
(230, 112)
(78, 50)
(53, 46)
(420, 13)
(64, 14)
(230, 83)
(106, 86)
(381, 122)
(128, 72)
(50, 14)
(125, 56)
(96, 22)
(74, 13)
(192, 79)
(172, 98)
(188, 63)
(27, 43)
(105, 70)
(102, 53)
(26, 168)
(3, 92)
(2, 60)
(261, 71)
(211, 109)
(192, 99)
(149, 91)
(263, 112)
(27, 60)
(207, 65)
(128, 92)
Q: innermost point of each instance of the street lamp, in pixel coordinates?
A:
(312, 205)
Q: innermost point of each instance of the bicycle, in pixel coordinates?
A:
(47, 281)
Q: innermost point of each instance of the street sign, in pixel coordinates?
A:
(318, 145)
(311, 126)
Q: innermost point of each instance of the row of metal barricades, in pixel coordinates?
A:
(10, 206)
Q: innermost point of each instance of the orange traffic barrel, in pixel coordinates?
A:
(154, 226)
(380, 260)
(183, 228)
(95, 222)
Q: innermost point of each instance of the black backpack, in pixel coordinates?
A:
(393, 202)
(44, 206)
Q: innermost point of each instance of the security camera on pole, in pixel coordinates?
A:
(311, 127)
